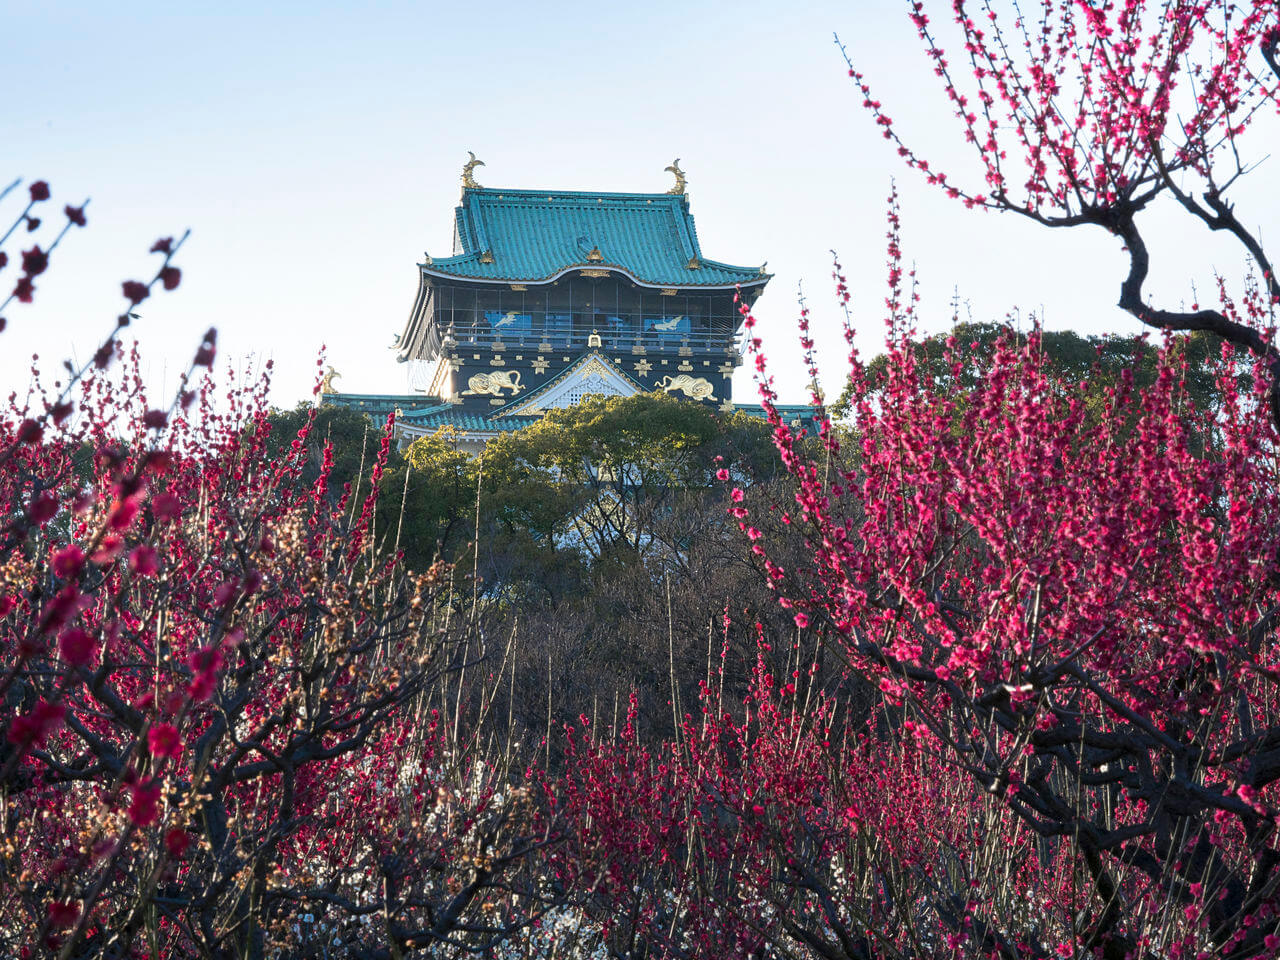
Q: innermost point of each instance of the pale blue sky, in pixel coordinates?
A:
(314, 150)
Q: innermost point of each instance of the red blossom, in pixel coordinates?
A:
(62, 914)
(109, 548)
(39, 191)
(176, 842)
(75, 214)
(122, 514)
(77, 647)
(201, 687)
(134, 291)
(170, 277)
(163, 245)
(34, 261)
(24, 290)
(35, 727)
(65, 606)
(42, 508)
(30, 431)
(205, 660)
(163, 741)
(144, 561)
(144, 807)
(165, 506)
(204, 664)
(68, 561)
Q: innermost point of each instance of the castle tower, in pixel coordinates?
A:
(552, 295)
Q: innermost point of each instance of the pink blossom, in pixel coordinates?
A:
(144, 561)
(109, 547)
(144, 807)
(62, 914)
(163, 741)
(122, 514)
(36, 726)
(165, 506)
(78, 647)
(68, 561)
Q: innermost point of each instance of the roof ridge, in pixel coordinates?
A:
(503, 192)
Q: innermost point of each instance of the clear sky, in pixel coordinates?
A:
(314, 150)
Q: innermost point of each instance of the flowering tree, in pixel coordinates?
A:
(1071, 618)
(225, 714)
(1078, 613)
(1087, 113)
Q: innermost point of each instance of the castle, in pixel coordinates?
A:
(553, 295)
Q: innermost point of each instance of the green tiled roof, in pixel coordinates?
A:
(459, 419)
(428, 413)
(381, 405)
(789, 412)
(533, 236)
(424, 412)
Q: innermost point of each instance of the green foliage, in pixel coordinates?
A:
(1097, 361)
(593, 479)
(434, 482)
(603, 473)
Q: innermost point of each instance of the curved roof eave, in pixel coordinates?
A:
(431, 270)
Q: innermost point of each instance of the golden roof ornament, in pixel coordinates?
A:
(468, 180)
(679, 175)
(595, 256)
(326, 383)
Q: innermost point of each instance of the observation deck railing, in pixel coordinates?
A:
(579, 336)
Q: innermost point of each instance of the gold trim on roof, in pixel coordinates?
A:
(679, 187)
(326, 383)
(595, 273)
(468, 180)
(595, 256)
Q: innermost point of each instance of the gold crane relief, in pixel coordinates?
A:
(492, 384)
(699, 388)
